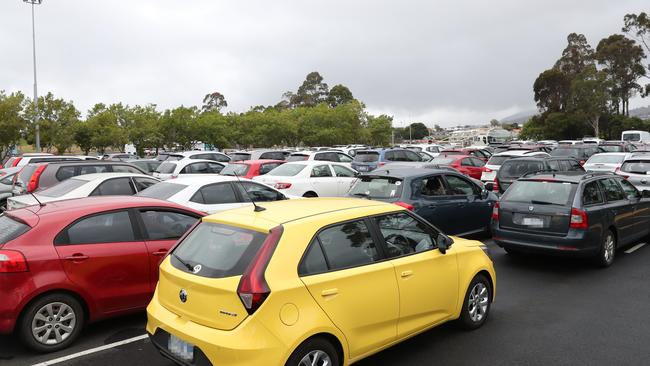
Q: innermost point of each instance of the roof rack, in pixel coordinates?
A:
(541, 171)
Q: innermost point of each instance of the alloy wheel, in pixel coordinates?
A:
(53, 323)
(478, 302)
(608, 252)
(316, 358)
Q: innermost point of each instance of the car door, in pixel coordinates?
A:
(161, 228)
(469, 203)
(432, 202)
(620, 209)
(345, 179)
(215, 197)
(107, 259)
(345, 273)
(257, 192)
(324, 183)
(641, 208)
(477, 167)
(427, 279)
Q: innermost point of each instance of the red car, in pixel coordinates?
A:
(469, 165)
(479, 153)
(77, 261)
(251, 168)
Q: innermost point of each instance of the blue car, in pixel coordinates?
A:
(369, 160)
(451, 201)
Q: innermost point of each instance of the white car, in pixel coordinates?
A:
(174, 169)
(605, 162)
(494, 163)
(259, 155)
(311, 178)
(335, 156)
(37, 158)
(195, 155)
(212, 194)
(99, 184)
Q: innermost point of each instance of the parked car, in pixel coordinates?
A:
(250, 168)
(35, 177)
(476, 152)
(335, 156)
(492, 166)
(587, 215)
(616, 146)
(310, 179)
(369, 160)
(27, 159)
(289, 305)
(605, 162)
(212, 194)
(580, 152)
(427, 156)
(79, 261)
(200, 155)
(101, 184)
(6, 185)
(515, 168)
(14, 160)
(259, 155)
(469, 165)
(173, 169)
(444, 198)
(119, 157)
(146, 165)
(636, 169)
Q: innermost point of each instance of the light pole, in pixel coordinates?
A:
(37, 133)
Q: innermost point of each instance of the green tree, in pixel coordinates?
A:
(379, 130)
(12, 121)
(590, 96)
(339, 94)
(638, 26)
(312, 92)
(179, 129)
(419, 131)
(57, 118)
(82, 133)
(214, 102)
(577, 55)
(551, 89)
(494, 123)
(106, 126)
(143, 128)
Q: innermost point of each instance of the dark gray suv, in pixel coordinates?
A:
(588, 215)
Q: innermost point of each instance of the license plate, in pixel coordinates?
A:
(180, 348)
(363, 168)
(533, 221)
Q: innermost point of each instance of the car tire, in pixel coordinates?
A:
(51, 323)
(310, 195)
(476, 306)
(316, 347)
(607, 251)
(3, 205)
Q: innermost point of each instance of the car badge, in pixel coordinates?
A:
(531, 208)
(183, 295)
(197, 269)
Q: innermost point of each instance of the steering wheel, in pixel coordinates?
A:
(399, 242)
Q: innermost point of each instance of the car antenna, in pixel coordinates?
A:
(41, 204)
(257, 208)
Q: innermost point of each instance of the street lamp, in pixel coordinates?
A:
(37, 133)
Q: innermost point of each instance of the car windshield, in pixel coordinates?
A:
(443, 160)
(23, 177)
(287, 170)
(366, 156)
(516, 169)
(235, 169)
(240, 156)
(636, 166)
(565, 152)
(632, 137)
(297, 157)
(221, 250)
(605, 159)
(162, 191)
(498, 160)
(63, 188)
(612, 148)
(10, 228)
(377, 187)
(166, 168)
(549, 192)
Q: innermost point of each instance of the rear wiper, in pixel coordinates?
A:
(541, 202)
(187, 265)
(364, 195)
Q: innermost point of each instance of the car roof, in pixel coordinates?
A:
(83, 162)
(94, 176)
(312, 162)
(186, 162)
(521, 152)
(258, 161)
(201, 179)
(612, 154)
(193, 152)
(572, 176)
(405, 172)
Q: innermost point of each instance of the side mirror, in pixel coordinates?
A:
(489, 186)
(645, 194)
(444, 242)
(485, 194)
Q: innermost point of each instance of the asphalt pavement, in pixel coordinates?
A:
(548, 311)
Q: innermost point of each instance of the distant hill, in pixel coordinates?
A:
(642, 112)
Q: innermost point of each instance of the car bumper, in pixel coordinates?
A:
(576, 243)
(10, 306)
(251, 343)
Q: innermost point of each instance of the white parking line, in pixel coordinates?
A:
(634, 248)
(92, 350)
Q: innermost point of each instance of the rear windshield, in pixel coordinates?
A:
(366, 156)
(452, 152)
(235, 169)
(297, 157)
(25, 174)
(443, 160)
(287, 170)
(612, 148)
(516, 169)
(174, 157)
(63, 188)
(375, 187)
(565, 152)
(632, 137)
(497, 160)
(166, 168)
(240, 156)
(221, 250)
(539, 192)
(10, 229)
(605, 159)
(636, 166)
(273, 155)
(162, 191)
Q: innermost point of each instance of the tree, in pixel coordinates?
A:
(437, 128)
(622, 59)
(577, 55)
(312, 92)
(552, 88)
(339, 94)
(143, 128)
(106, 128)
(379, 130)
(638, 26)
(12, 121)
(419, 131)
(495, 123)
(590, 96)
(179, 128)
(82, 133)
(56, 120)
(214, 102)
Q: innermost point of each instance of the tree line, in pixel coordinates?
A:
(587, 91)
(314, 115)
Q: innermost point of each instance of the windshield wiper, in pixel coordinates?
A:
(364, 195)
(187, 265)
(541, 202)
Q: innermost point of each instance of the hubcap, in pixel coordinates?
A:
(608, 253)
(316, 358)
(53, 323)
(477, 304)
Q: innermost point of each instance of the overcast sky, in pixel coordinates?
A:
(445, 62)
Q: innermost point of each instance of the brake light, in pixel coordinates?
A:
(405, 205)
(12, 261)
(36, 176)
(582, 162)
(487, 170)
(15, 163)
(282, 185)
(381, 164)
(495, 186)
(253, 289)
(495, 212)
(579, 219)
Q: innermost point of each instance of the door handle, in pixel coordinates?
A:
(330, 292)
(77, 257)
(406, 274)
(160, 252)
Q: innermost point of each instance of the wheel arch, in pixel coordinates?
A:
(330, 337)
(82, 301)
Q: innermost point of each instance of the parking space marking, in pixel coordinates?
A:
(635, 248)
(91, 351)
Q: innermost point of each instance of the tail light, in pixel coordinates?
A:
(253, 289)
(381, 164)
(487, 170)
(282, 185)
(495, 186)
(579, 219)
(405, 205)
(582, 162)
(15, 163)
(12, 261)
(495, 212)
(36, 176)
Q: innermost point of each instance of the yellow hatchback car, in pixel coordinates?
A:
(313, 282)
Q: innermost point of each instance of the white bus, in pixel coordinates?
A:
(636, 136)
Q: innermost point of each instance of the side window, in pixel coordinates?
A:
(321, 171)
(65, 172)
(477, 162)
(195, 168)
(629, 189)
(265, 168)
(143, 183)
(404, 235)
(7, 180)
(321, 157)
(115, 187)
(196, 157)
(554, 165)
(125, 169)
(91, 169)
(466, 162)
(113, 227)
(314, 260)
(613, 192)
(459, 186)
(344, 158)
(348, 245)
(391, 156)
(575, 166)
(166, 225)
(214, 168)
(591, 194)
(411, 156)
(215, 194)
(258, 192)
(433, 186)
(342, 171)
